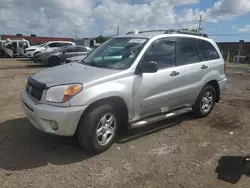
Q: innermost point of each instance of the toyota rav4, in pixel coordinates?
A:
(128, 81)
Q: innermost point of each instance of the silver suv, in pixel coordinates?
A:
(129, 81)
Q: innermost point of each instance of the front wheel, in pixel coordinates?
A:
(54, 61)
(205, 102)
(98, 129)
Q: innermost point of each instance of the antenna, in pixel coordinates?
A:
(52, 27)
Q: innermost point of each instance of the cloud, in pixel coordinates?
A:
(228, 9)
(90, 17)
(131, 17)
(246, 28)
(45, 17)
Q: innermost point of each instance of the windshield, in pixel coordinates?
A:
(116, 53)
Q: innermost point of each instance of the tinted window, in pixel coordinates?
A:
(63, 44)
(81, 49)
(52, 45)
(207, 51)
(187, 51)
(163, 53)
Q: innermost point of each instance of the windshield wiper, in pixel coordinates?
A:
(99, 65)
(90, 64)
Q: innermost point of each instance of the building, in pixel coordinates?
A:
(35, 39)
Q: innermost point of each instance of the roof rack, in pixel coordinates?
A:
(172, 31)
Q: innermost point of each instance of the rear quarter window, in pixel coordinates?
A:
(207, 51)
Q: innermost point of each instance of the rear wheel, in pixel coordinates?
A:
(98, 128)
(205, 102)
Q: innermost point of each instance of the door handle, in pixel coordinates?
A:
(174, 73)
(204, 67)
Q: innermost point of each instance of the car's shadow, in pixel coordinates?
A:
(23, 59)
(24, 147)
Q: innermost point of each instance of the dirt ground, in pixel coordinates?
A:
(177, 153)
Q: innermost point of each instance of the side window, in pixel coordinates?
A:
(163, 53)
(52, 45)
(63, 44)
(81, 49)
(187, 51)
(207, 51)
(70, 50)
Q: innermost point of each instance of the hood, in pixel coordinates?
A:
(32, 48)
(77, 58)
(72, 73)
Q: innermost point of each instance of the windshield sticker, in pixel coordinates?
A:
(140, 41)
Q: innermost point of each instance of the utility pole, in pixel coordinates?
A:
(52, 27)
(200, 24)
(118, 30)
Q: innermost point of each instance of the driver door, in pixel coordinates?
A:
(154, 93)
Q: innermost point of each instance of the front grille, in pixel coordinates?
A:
(35, 88)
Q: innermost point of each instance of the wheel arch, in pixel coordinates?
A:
(115, 101)
(216, 86)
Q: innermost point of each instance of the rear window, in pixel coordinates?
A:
(207, 51)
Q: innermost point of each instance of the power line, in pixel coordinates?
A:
(231, 34)
(118, 30)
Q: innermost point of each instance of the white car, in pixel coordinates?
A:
(45, 47)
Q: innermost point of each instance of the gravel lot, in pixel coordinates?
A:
(181, 152)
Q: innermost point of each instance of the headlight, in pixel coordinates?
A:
(61, 94)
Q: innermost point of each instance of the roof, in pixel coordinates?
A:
(60, 41)
(152, 33)
(143, 35)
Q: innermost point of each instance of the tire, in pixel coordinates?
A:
(205, 102)
(53, 61)
(93, 124)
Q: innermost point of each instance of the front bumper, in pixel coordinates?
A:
(41, 115)
(29, 54)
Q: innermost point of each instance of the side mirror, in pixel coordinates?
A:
(63, 52)
(147, 67)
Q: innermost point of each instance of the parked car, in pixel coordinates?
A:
(14, 47)
(45, 47)
(2, 42)
(158, 75)
(59, 55)
(74, 59)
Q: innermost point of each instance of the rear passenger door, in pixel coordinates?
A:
(69, 52)
(209, 57)
(81, 50)
(191, 70)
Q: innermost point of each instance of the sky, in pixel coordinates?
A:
(223, 20)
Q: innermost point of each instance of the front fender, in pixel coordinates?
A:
(122, 88)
